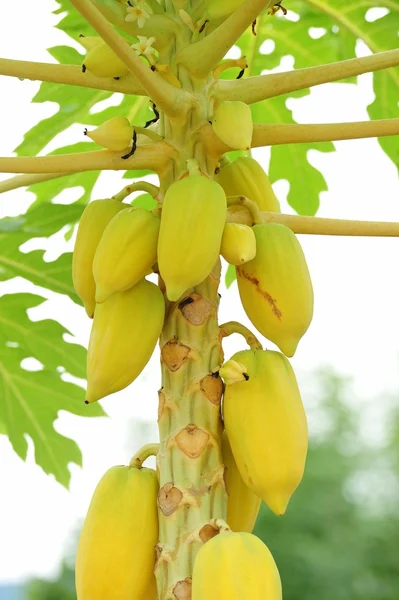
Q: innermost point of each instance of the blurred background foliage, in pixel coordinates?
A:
(340, 537)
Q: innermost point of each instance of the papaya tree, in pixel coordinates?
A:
(231, 432)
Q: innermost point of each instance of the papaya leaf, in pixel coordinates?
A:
(43, 220)
(339, 24)
(230, 276)
(31, 399)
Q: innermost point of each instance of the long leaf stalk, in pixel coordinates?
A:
(255, 89)
(68, 75)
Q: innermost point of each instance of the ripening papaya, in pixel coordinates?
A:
(90, 41)
(116, 552)
(275, 287)
(102, 61)
(125, 331)
(243, 505)
(192, 222)
(238, 243)
(235, 566)
(245, 177)
(126, 252)
(266, 425)
(93, 222)
(232, 123)
(115, 134)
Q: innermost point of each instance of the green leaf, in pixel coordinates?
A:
(342, 23)
(230, 276)
(31, 400)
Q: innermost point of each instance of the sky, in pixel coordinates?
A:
(355, 326)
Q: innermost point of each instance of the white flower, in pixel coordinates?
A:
(144, 46)
(138, 11)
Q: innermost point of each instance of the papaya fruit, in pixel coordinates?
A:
(102, 61)
(126, 252)
(266, 426)
(232, 123)
(192, 222)
(90, 41)
(124, 334)
(116, 552)
(243, 505)
(275, 287)
(245, 177)
(238, 244)
(115, 134)
(235, 566)
(94, 220)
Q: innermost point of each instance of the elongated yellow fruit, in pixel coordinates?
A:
(243, 505)
(192, 222)
(235, 566)
(245, 177)
(116, 557)
(275, 287)
(126, 252)
(94, 220)
(238, 243)
(216, 10)
(232, 123)
(125, 331)
(115, 134)
(102, 61)
(266, 425)
(90, 41)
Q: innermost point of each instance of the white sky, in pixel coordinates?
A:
(355, 326)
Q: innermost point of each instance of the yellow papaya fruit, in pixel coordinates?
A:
(94, 220)
(235, 566)
(243, 505)
(245, 177)
(90, 41)
(275, 287)
(115, 134)
(116, 552)
(239, 214)
(102, 61)
(125, 331)
(232, 123)
(217, 10)
(266, 425)
(192, 222)
(126, 252)
(238, 243)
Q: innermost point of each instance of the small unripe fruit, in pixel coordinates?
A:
(238, 244)
(232, 123)
(115, 134)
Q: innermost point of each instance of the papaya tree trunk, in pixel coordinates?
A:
(192, 498)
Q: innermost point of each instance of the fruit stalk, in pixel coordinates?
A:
(192, 493)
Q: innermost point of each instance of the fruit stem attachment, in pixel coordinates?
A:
(139, 186)
(234, 327)
(205, 55)
(152, 135)
(241, 63)
(249, 204)
(276, 134)
(168, 98)
(255, 89)
(142, 455)
(69, 75)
